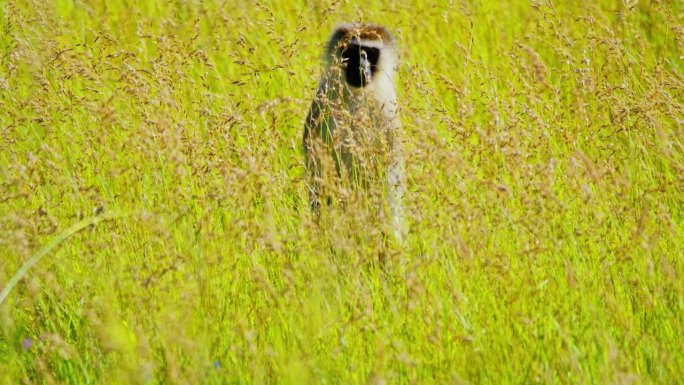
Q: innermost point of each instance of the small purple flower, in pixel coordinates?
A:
(217, 365)
(27, 343)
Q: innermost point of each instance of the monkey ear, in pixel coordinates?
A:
(341, 31)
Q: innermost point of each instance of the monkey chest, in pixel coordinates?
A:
(359, 141)
(358, 129)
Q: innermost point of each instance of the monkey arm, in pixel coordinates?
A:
(396, 184)
(317, 134)
(311, 133)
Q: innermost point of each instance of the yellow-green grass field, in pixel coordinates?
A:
(152, 186)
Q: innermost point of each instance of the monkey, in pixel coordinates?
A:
(353, 132)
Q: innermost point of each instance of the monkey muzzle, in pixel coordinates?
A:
(358, 66)
(365, 69)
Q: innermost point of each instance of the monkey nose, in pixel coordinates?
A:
(365, 69)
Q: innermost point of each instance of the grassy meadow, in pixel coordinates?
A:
(152, 186)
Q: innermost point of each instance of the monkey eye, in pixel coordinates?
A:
(372, 55)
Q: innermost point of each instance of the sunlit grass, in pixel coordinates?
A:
(546, 175)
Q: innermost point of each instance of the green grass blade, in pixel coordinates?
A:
(61, 237)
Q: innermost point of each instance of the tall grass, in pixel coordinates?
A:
(545, 169)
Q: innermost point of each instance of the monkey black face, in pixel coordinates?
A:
(360, 64)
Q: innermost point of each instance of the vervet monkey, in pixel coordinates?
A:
(352, 132)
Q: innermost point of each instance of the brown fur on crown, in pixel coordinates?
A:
(364, 31)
